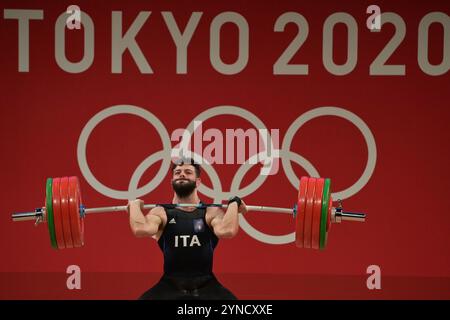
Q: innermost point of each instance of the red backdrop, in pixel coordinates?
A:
(44, 110)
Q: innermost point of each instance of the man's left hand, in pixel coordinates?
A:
(242, 208)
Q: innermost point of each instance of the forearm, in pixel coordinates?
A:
(230, 221)
(137, 218)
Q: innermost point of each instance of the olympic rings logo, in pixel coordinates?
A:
(216, 192)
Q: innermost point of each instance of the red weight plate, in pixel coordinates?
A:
(76, 222)
(308, 212)
(64, 190)
(317, 213)
(300, 218)
(57, 215)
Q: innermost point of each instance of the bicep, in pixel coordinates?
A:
(155, 218)
(217, 226)
(216, 220)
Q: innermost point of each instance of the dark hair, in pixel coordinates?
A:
(181, 161)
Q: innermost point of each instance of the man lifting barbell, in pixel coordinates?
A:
(187, 237)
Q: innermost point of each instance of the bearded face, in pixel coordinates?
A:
(184, 180)
(183, 187)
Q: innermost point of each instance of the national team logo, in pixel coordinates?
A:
(199, 226)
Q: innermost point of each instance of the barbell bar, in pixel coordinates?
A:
(64, 212)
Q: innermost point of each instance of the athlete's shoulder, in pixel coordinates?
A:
(214, 210)
(160, 212)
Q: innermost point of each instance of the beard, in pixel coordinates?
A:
(183, 189)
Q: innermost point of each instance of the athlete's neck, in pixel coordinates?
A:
(192, 198)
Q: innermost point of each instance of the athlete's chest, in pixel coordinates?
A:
(185, 229)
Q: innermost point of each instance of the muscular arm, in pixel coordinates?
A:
(144, 226)
(225, 225)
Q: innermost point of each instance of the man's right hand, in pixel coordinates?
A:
(138, 202)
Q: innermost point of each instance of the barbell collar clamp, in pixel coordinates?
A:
(338, 215)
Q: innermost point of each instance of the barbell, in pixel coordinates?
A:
(64, 212)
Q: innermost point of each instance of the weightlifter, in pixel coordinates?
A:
(187, 238)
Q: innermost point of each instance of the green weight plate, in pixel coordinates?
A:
(324, 215)
(49, 212)
(330, 207)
